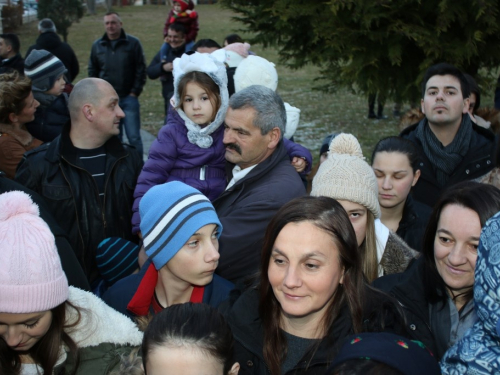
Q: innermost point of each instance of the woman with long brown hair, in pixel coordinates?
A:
(47, 327)
(311, 293)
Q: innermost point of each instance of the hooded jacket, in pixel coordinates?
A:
(102, 335)
(51, 42)
(478, 352)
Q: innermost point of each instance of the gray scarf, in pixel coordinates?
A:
(445, 159)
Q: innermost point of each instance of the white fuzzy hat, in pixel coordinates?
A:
(292, 120)
(205, 63)
(345, 175)
(255, 70)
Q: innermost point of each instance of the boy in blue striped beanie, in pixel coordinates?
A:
(180, 231)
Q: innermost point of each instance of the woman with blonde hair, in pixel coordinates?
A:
(347, 177)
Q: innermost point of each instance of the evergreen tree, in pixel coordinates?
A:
(377, 45)
(62, 12)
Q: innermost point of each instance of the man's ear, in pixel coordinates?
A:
(235, 369)
(422, 106)
(87, 111)
(466, 105)
(274, 137)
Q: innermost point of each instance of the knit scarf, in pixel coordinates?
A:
(445, 159)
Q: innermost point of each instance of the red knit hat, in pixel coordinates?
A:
(183, 3)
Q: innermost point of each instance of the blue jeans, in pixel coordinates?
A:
(132, 121)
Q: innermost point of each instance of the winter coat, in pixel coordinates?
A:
(13, 144)
(103, 335)
(14, 63)
(49, 121)
(478, 352)
(124, 67)
(55, 172)
(246, 208)
(393, 253)
(408, 288)
(51, 42)
(124, 290)
(380, 314)
(69, 262)
(190, 24)
(413, 223)
(477, 162)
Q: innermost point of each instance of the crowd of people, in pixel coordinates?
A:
(214, 256)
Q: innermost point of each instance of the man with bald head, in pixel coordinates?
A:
(86, 175)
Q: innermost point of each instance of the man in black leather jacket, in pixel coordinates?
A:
(119, 59)
(86, 175)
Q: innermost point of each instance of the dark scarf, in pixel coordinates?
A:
(445, 159)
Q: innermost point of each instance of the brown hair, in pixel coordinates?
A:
(14, 89)
(206, 83)
(368, 249)
(328, 215)
(45, 352)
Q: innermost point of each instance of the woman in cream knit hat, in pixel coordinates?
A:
(346, 177)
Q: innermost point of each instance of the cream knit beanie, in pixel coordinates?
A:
(345, 175)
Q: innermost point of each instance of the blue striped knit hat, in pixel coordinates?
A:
(43, 68)
(170, 214)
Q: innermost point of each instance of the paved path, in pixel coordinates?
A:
(147, 139)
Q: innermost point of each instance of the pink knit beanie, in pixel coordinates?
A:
(31, 276)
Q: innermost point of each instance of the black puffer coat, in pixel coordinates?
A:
(49, 121)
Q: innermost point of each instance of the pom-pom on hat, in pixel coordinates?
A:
(170, 214)
(43, 68)
(31, 276)
(236, 53)
(255, 70)
(345, 175)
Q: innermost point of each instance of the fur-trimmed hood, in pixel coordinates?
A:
(393, 254)
(204, 63)
(21, 135)
(99, 323)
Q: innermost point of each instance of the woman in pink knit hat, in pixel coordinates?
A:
(47, 327)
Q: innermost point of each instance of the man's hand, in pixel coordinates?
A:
(299, 164)
(132, 94)
(168, 67)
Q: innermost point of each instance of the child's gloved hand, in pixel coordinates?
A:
(299, 164)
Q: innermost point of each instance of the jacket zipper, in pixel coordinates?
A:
(202, 172)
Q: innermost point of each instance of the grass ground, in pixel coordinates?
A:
(321, 113)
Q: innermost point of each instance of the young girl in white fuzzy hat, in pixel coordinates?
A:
(47, 327)
(189, 147)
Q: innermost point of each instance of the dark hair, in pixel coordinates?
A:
(111, 13)
(400, 145)
(481, 198)
(328, 215)
(363, 366)
(190, 324)
(233, 38)
(474, 89)
(444, 69)
(14, 89)
(12, 40)
(177, 27)
(208, 43)
(205, 82)
(45, 352)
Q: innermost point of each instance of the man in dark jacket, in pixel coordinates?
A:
(50, 41)
(9, 54)
(261, 179)
(119, 59)
(453, 149)
(86, 175)
(162, 66)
